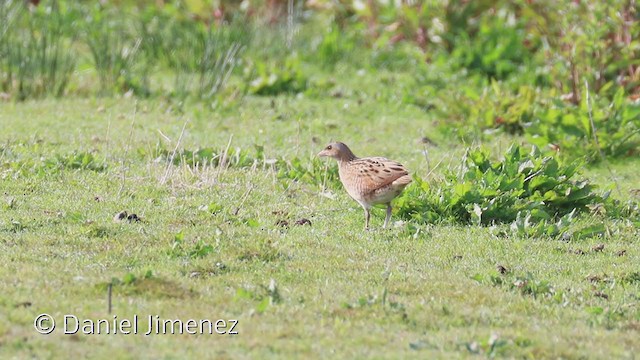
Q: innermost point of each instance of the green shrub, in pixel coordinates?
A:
(496, 50)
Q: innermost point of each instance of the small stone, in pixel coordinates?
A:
(600, 294)
(502, 270)
(120, 216)
(282, 223)
(303, 221)
(594, 278)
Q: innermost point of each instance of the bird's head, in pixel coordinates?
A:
(338, 151)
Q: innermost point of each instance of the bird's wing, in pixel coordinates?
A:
(377, 172)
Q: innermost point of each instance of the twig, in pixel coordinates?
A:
(433, 169)
(223, 159)
(243, 199)
(109, 298)
(164, 136)
(326, 176)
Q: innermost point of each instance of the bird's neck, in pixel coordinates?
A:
(347, 156)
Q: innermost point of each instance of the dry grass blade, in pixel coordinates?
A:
(169, 166)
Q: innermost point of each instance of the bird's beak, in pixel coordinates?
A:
(322, 153)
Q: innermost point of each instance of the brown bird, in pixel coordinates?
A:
(370, 180)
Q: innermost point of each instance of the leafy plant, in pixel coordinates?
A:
(198, 249)
(76, 161)
(265, 296)
(496, 50)
(524, 284)
(595, 128)
(615, 130)
(274, 79)
(523, 187)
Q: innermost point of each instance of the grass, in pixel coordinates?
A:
(431, 290)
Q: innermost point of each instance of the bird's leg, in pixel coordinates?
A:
(367, 215)
(388, 217)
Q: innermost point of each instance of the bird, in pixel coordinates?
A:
(369, 180)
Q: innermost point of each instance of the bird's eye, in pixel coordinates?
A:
(329, 147)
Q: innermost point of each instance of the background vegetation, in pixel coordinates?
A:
(520, 121)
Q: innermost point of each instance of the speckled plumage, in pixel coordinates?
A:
(370, 180)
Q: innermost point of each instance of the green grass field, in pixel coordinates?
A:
(339, 291)
(207, 138)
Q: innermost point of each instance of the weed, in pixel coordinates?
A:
(199, 249)
(274, 79)
(265, 295)
(524, 284)
(75, 161)
(526, 189)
